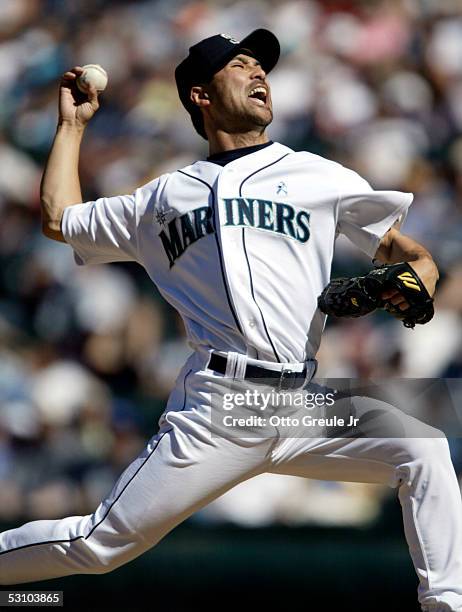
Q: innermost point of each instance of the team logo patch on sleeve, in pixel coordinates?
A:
(161, 217)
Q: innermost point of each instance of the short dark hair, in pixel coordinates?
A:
(198, 122)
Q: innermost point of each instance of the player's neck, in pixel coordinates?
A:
(220, 142)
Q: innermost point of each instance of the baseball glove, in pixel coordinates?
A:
(358, 296)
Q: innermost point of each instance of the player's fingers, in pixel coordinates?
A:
(386, 295)
(67, 80)
(92, 94)
(390, 307)
(72, 74)
(397, 299)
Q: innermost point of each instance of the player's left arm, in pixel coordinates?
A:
(396, 247)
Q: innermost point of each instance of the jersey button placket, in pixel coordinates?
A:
(236, 268)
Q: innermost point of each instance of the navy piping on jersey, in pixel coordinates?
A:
(82, 537)
(220, 256)
(248, 262)
(144, 463)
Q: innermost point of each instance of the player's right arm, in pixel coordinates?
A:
(60, 185)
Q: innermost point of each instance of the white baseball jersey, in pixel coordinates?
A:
(241, 251)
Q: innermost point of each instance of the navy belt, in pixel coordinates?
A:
(284, 379)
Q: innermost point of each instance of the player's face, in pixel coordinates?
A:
(240, 96)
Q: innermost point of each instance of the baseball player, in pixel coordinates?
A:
(241, 244)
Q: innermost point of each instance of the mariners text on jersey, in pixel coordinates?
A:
(276, 217)
(183, 231)
(266, 215)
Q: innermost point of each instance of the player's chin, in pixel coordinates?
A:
(262, 116)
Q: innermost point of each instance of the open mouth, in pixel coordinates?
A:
(259, 94)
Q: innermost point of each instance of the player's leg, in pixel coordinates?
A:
(428, 491)
(161, 488)
(182, 469)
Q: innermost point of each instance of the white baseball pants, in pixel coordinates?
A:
(184, 467)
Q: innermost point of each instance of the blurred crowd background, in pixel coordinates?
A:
(88, 355)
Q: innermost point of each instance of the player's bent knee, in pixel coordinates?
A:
(433, 449)
(424, 460)
(106, 565)
(104, 568)
(100, 553)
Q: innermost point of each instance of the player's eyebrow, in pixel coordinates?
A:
(245, 60)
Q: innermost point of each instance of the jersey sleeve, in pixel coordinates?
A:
(107, 230)
(365, 215)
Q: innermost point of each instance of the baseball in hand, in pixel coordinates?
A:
(93, 74)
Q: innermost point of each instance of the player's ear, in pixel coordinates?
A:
(199, 96)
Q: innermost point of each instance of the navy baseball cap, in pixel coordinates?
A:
(209, 56)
